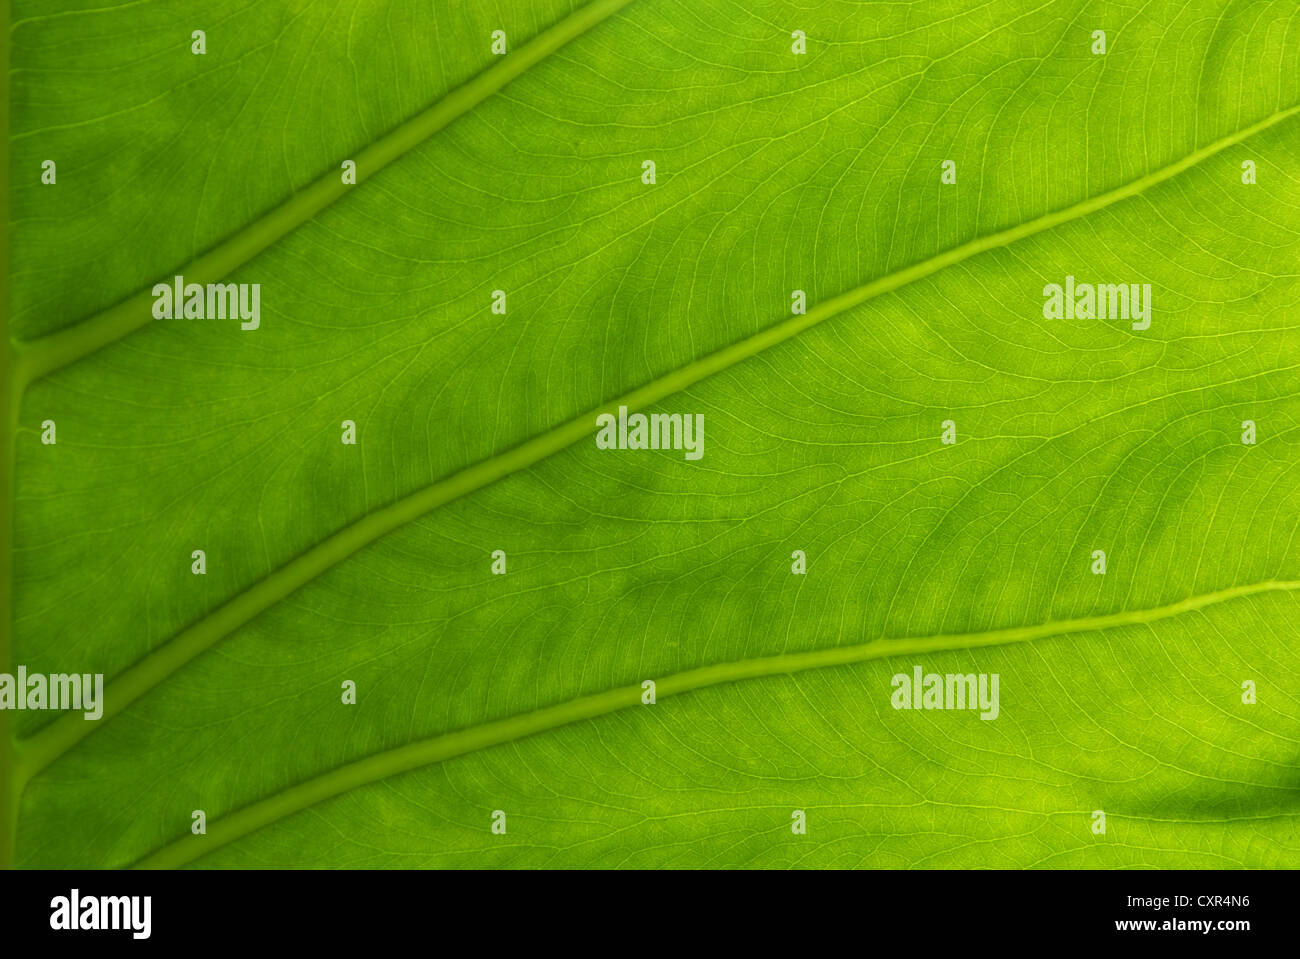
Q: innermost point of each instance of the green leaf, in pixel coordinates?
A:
(478, 693)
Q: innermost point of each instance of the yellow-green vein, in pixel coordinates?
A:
(392, 762)
(43, 356)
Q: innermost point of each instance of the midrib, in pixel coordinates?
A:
(46, 745)
(293, 799)
(10, 396)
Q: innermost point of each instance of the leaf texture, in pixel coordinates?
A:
(775, 172)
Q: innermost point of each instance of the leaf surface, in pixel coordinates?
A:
(775, 173)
